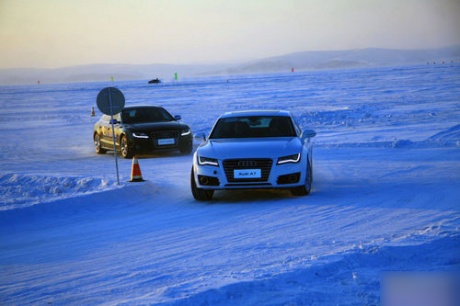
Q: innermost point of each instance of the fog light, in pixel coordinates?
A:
(204, 180)
(208, 180)
(288, 178)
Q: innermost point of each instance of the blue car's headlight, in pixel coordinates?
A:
(140, 135)
(208, 161)
(293, 158)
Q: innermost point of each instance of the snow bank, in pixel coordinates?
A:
(19, 191)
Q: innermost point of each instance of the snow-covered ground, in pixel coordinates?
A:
(385, 197)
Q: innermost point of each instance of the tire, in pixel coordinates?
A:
(125, 151)
(198, 193)
(306, 188)
(97, 145)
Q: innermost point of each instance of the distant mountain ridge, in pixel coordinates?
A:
(370, 57)
(308, 60)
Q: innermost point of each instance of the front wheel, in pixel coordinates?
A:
(125, 151)
(198, 193)
(97, 145)
(306, 188)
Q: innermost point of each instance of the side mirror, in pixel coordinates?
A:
(177, 117)
(308, 134)
(114, 121)
(200, 136)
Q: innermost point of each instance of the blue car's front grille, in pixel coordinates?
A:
(264, 165)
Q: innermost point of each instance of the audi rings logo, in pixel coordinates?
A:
(247, 163)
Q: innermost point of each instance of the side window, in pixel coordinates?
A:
(106, 119)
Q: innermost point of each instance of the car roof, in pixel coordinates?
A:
(262, 112)
(141, 106)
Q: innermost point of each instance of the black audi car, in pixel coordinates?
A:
(142, 129)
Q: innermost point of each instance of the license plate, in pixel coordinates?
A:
(247, 173)
(166, 141)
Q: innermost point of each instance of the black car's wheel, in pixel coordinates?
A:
(125, 151)
(97, 145)
(198, 193)
(306, 188)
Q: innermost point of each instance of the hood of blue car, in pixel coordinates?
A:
(250, 148)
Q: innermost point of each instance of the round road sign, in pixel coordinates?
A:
(110, 101)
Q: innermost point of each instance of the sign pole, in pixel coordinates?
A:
(111, 101)
(113, 137)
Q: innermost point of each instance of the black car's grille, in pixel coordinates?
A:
(264, 165)
(165, 138)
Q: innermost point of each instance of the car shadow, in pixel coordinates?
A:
(249, 195)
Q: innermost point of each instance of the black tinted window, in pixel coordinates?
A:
(142, 115)
(253, 127)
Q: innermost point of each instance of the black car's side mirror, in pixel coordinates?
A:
(200, 136)
(114, 121)
(177, 117)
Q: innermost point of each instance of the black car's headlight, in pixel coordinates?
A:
(186, 132)
(293, 158)
(140, 135)
(208, 161)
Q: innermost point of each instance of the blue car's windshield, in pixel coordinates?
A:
(253, 127)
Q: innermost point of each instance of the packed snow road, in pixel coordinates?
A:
(385, 198)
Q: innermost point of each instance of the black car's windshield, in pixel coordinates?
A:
(253, 127)
(145, 114)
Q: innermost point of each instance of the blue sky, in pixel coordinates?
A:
(59, 33)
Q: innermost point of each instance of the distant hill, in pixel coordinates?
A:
(371, 57)
(308, 60)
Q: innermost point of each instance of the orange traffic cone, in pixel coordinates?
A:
(92, 112)
(136, 175)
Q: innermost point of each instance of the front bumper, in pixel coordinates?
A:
(230, 174)
(154, 144)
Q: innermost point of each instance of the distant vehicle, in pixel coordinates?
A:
(155, 81)
(142, 129)
(253, 149)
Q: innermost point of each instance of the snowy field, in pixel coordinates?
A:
(385, 197)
